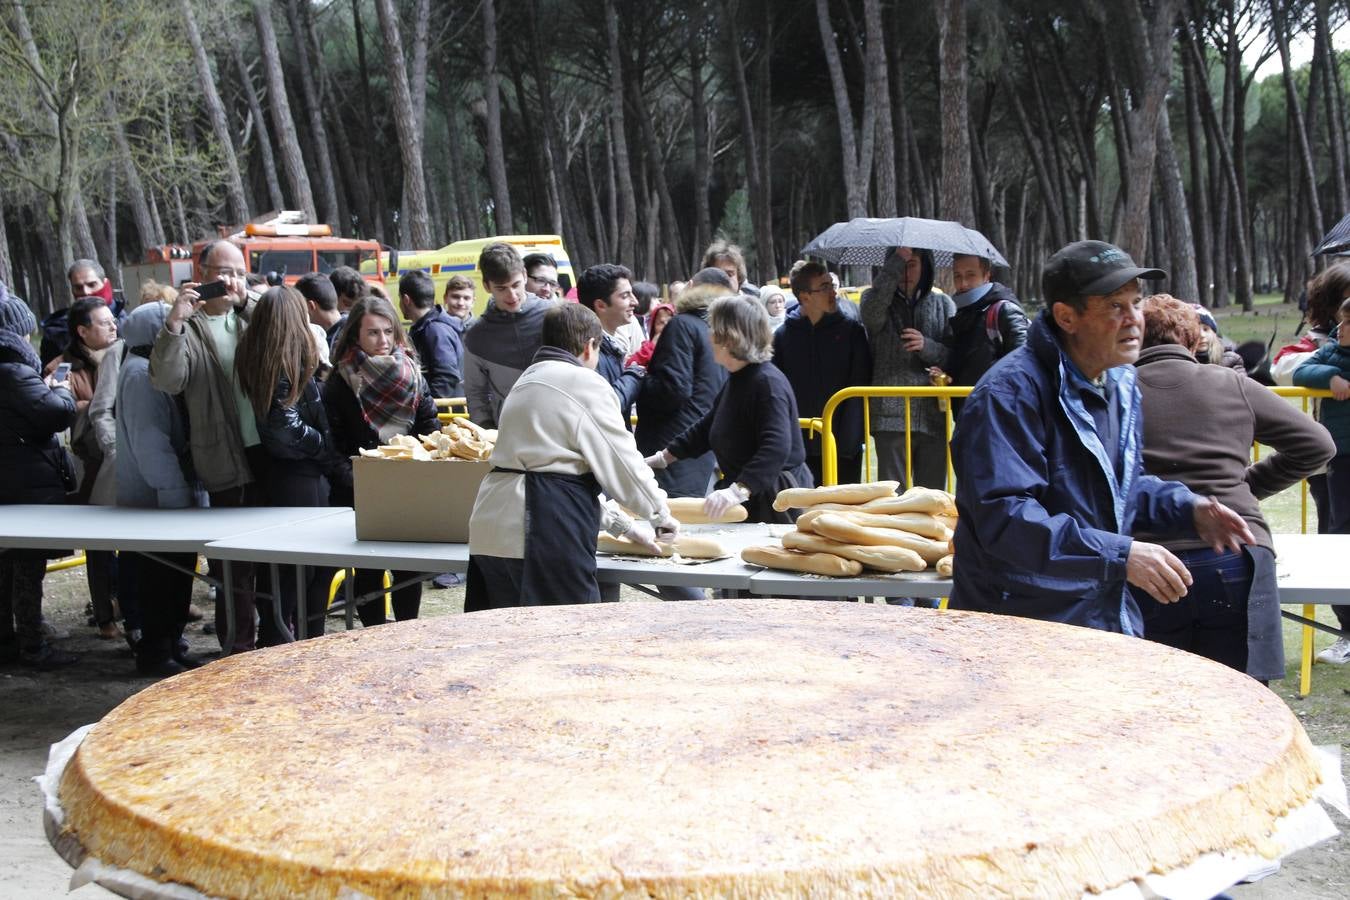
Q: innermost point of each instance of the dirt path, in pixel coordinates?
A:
(39, 710)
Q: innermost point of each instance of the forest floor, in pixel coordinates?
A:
(39, 710)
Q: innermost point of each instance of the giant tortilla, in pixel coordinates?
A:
(750, 747)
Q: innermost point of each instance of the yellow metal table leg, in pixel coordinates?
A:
(1305, 667)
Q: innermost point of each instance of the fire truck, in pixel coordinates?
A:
(283, 248)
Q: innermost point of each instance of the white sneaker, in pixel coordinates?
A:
(1338, 654)
(53, 632)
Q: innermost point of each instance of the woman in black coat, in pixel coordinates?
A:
(33, 469)
(276, 365)
(752, 427)
(376, 391)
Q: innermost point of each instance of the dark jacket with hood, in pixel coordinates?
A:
(1044, 517)
(820, 360)
(886, 312)
(682, 378)
(440, 348)
(32, 462)
(974, 350)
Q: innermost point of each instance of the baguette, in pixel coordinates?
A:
(689, 511)
(792, 561)
(834, 493)
(839, 528)
(689, 546)
(881, 558)
(917, 499)
(922, 524)
(944, 566)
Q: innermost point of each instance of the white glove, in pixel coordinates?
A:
(658, 460)
(718, 502)
(668, 529)
(643, 535)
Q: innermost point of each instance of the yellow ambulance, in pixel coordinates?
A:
(461, 258)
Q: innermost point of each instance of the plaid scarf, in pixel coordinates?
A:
(386, 387)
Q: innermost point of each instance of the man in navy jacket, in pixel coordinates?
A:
(1049, 473)
(822, 351)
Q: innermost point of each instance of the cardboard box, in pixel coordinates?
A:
(415, 500)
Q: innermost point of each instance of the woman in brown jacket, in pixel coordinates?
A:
(1200, 422)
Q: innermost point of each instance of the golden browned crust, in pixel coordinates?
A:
(689, 749)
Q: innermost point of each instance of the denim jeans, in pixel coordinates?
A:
(1212, 620)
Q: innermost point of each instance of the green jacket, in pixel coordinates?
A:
(187, 364)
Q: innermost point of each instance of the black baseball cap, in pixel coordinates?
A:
(1088, 268)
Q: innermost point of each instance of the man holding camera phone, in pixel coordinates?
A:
(193, 357)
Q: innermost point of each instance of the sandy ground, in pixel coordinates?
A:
(40, 709)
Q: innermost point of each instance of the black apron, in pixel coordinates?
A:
(562, 517)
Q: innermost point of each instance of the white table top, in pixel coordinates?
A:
(148, 530)
(331, 541)
(1309, 568)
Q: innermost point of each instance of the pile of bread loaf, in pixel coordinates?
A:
(456, 439)
(847, 528)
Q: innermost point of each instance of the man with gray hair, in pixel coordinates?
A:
(194, 356)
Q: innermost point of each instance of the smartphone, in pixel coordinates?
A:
(62, 372)
(212, 289)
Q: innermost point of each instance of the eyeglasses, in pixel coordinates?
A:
(827, 289)
(227, 271)
(547, 282)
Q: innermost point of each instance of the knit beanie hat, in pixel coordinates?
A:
(15, 316)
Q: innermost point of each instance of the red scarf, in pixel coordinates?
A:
(386, 387)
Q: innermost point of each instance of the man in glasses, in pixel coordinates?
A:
(541, 276)
(193, 357)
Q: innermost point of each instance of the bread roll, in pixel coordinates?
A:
(689, 511)
(922, 524)
(917, 499)
(881, 558)
(834, 493)
(690, 546)
(792, 561)
(840, 528)
(944, 566)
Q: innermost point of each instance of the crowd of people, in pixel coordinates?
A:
(232, 393)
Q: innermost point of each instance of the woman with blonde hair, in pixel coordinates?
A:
(277, 365)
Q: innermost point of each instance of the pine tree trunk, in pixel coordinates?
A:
(6, 269)
(1334, 113)
(496, 160)
(957, 196)
(1200, 224)
(1301, 136)
(268, 160)
(1037, 156)
(855, 187)
(627, 224)
(309, 93)
(1179, 242)
(215, 111)
(293, 161)
(702, 162)
(409, 135)
(418, 86)
(887, 200)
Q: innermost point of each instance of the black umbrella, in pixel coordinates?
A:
(867, 242)
(1335, 240)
